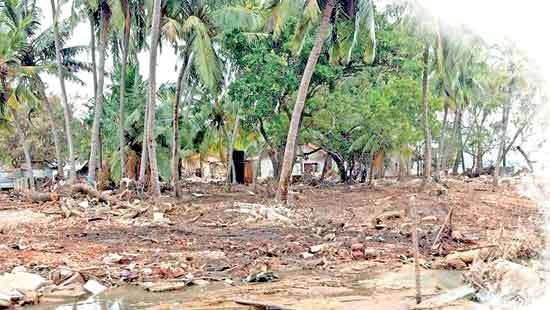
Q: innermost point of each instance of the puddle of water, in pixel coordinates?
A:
(132, 297)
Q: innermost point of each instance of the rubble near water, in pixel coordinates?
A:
(87, 243)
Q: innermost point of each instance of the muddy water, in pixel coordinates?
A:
(300, 289)
(132, 297)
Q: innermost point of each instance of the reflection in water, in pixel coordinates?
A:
(131, 297)
(95, 303)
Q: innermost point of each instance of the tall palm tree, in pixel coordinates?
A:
(105, 17)
(152, 94)
(195, 43)
(66, 108)
(122, 92)
(362, 12)
(126, 15)
(183, 76)
(425, 115)
(34, 54)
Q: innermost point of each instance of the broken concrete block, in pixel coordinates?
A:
(21, 281)
(94, 287)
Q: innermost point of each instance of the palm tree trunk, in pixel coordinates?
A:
(290, 148)
(151, 143)
(176, 134)
(452, 142)
(55, 134)
(66, 109)
(459, 150)
(144, 152)
(98, 111)
(182, 76)
(92, 52)
(26, 148)
(441, 147)
(125, 46)
(478, 159)
(502, 145)
(425, 118)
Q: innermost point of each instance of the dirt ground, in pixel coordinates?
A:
(331, 229)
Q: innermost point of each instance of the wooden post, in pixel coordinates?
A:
(416, 250)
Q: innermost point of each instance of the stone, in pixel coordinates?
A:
(388, 215)
(370, 253)
(21, 281)
(357, 247)
(76, 278)
(316, 248)
(357, 251)
(453, 263)
(406, 227)
(307, 255)
(59, 275)
(94, 287)
(113, 258)
(158, 217)
(5, 300)
(457, 235)
(164, 286)
(429, 219)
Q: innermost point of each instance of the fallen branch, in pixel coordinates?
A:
(476, 248)
(196, 218)
(103, 197)
(447, 220)
(261, 305)
(42, 196)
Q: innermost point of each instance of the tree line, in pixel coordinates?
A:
(359, 81)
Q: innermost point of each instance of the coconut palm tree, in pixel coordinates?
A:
(361, 12)
(195, 44)
(104, 21)
(152, 94)
(66, 108)
(126, 15)
(36, 54)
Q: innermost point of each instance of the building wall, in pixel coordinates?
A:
(317, 158)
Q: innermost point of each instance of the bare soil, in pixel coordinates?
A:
(205, 240)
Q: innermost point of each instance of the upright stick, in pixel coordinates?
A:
(416, 250)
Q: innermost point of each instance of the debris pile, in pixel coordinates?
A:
(259, 212)
(503, 281)
(21, 287)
